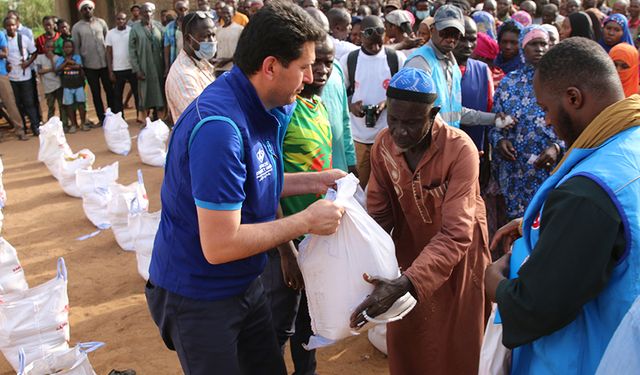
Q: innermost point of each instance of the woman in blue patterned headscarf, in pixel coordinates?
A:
(510, 57)
(616, 30)
(486, 23)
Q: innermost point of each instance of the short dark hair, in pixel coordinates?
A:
(464, 5)
(60, 21)
(14, 12)
(191, 22)
(68, 41)
(279, 29)
(508, 27)
(577, 62)
(47, 18)
(7, 18)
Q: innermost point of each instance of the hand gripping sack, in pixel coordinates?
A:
(11, 273)
(144, 227)
(332, 268)
(94, 186)
(3, 193)
(126, 201)
(36, 320)
(72, 361)
(53, 144)
(69, 164)
(116, 133)
(152, 143)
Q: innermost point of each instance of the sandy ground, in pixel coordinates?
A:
(106, 293)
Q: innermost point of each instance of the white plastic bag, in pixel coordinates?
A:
(152, 143)
(11, 273)
(378, 337)
(143, 228)
(332, 268)
(53, 144)
(116, 133)
(36, 320)
(72, 361)
(94, 187)
(1, 220)
(3, 193)
(495, 358)
(126, 201)
(71, 163)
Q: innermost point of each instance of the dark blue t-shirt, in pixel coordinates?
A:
(224, 154)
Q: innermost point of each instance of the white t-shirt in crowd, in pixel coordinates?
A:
(119, 42)
(50, 81)
(371, 81)
(343, 47)
(16, 57)
(227, 42)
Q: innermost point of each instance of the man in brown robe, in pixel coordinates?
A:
(424, 189)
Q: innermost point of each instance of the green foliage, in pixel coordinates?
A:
(31, 12)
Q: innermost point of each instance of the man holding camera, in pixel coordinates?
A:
(368, 71)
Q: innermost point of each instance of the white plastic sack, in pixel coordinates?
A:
(72, 361)
(143, 228)
(378, 337)
(1, 220)
(152, 143)
(11, 273)
(68, 165)
(126, 201)
(116, 133)
(495, 358)
(36, 320)
(94, 187)
(332, 268)
(3, 193)
(53, 145)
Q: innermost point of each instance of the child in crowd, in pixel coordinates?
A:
(65, 34)
(46, 64)
(72, 75)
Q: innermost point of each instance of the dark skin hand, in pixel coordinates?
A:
(384, 295)
(547, 159)
(289, 265)
(507, 235)
(494, 274)
(506, 149)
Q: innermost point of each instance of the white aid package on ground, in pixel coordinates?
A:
(3, 193)
(53, 144)
(116, 133)
(152, 143)
(11, 273)
(143, 228)
(35, 320)
(72, 361)
(94, 187)
(126, 201)
(378, 337)
(68, 165)
(332, 268)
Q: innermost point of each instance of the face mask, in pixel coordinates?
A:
(207, 50)
(422, 14)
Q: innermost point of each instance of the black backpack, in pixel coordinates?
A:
(352, 61)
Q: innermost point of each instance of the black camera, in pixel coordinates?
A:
(370, 115)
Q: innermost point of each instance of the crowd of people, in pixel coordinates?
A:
(458, 118)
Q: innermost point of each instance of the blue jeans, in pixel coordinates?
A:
(233, 336)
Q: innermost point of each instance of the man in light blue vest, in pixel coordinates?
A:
(575, 272)
(436, 58)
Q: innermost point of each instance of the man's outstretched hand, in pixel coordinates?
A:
(384, 295)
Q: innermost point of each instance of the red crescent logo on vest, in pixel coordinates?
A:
(536, 223)
(385, 84)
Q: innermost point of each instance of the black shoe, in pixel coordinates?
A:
(123, 372)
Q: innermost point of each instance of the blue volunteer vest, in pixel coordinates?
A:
(578, 347)
(475, 89)
(449, 101)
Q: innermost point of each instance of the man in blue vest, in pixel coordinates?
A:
(574, 273)
(437, 59)
(223, 181)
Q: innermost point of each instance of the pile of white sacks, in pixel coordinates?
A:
(106, 203)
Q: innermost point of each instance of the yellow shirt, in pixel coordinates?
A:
(240, 19)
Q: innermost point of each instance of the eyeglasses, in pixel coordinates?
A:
(449, 33)
(200, 14)
(368, 32)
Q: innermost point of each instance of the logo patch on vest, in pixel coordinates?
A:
(265, 169)
(536, 223)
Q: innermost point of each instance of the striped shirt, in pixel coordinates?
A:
(187, 79)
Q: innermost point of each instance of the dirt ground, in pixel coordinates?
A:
(106, 293)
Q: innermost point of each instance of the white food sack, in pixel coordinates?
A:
(94, 187)
(332, 267)
(53, 145)
(126, 201)
(69, 164)
(152, 143)
(35, 320)
(3, 193)
(1, 220)
(143, 228)
(378, 337)
(11, 273)
(72, 361)
(116, 133)
(495, 358)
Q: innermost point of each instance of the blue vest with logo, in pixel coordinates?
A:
(475, 88)
(578, 347)
(449, 101)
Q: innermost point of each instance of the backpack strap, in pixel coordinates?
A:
(352, 61)
(392, 60)
(19, 41)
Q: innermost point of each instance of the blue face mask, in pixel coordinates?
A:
(422, 14)
(207, 50)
